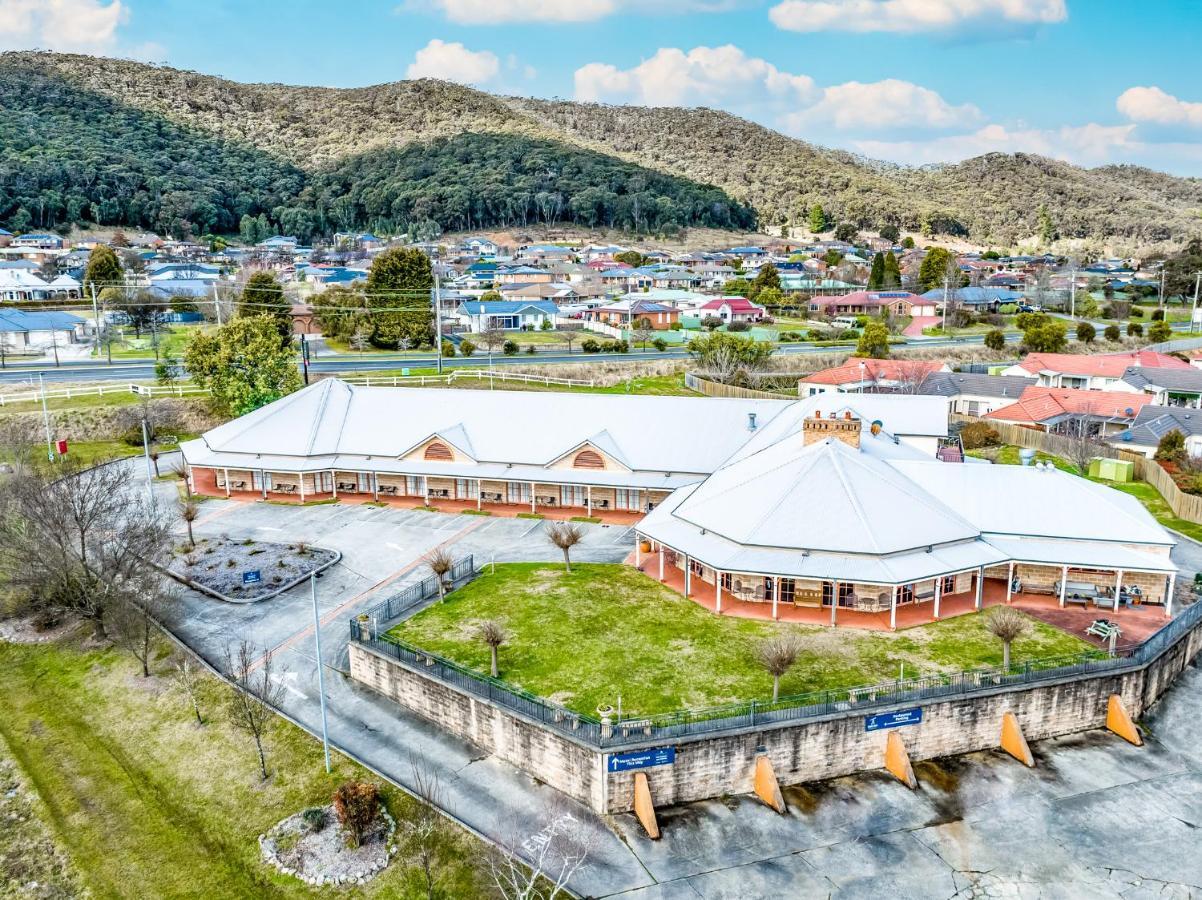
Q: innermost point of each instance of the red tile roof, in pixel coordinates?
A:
(1106, 365)
(736, 304)
(874, 370)
(1041, 404)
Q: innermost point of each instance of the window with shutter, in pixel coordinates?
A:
(588, 459)
(439, 452)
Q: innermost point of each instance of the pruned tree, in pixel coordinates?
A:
(79, 540)
(540, 866)
(439, 561)
(910, 375)
(188, 511)
(1081, 440)
(1007, 624)
(778, 654)
(133, 620)
(186, 676)
(180, 471)
(425, 825)
(357, 805)
(565, 536)
(257, 692)
(493, 634)
(492, 338)
(569, 337)
(643, 332)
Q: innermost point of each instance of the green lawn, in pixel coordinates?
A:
(148, 804)
(1142, 491)
(171, 342)
(583, 638)
(538, 338)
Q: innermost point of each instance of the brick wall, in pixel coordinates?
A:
(813, 750)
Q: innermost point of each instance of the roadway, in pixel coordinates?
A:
(143, 369)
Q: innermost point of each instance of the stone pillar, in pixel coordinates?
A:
(638, 553)
(661, 562)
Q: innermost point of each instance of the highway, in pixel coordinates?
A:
(352, 364)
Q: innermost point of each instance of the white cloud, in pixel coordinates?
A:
(726, 77)
(453, 62)
(882, 104)
(906, 16)
(491, 12)
(77, 25)
(1151, 104)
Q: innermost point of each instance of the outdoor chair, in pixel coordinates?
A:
(1102, 628)
(348, 486)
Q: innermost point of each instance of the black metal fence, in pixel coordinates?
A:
(612, 732)
(384, 612)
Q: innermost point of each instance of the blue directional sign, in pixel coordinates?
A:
(254, 576)
(893, 719)
(641, 759)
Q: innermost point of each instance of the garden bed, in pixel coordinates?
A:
(219, 567)
(313, 847)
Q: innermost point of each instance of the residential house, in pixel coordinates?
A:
(1101, 372)
(970, 394)
(626, 312)
(522, 275)
(479, 246)
(1153, 422)
(510, 315)
(21, 284)
(977, 298)
(6, 237)
(733, 309)
(37, 241)
(874, 303)
(1058, 410)
(1167, 387)
(24, 331)
(871, 375)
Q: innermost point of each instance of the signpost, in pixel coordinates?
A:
(254, 576)
(641, 759)
(893, 719)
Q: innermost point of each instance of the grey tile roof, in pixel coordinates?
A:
(1183, 380)
(1154, 422)
(952, 384)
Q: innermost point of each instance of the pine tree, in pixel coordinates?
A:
(892, 278)
(1047, 231)
(262, 295)
(766, 277)
(817, 219)
(103, 270)
(400, 281)
(876, 276)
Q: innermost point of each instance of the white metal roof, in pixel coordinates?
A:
(662, 434)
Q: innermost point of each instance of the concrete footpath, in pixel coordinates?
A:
(1096, 818)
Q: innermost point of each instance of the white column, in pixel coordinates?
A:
(717, 591)
(638, 553)
(263, 482)
(588, 499)
(479, 492)
(300, 477)
(227, 481)
(1063, 584)
(334, 482)
(425, 490)
(532, 509)
(772, 585)
(834, 602)
(893, 609)
(375, 487)
(1009, 581)
(688, 575)
(661, 562)
(939, 593)
(1168, 600)
(980, 586)
(1118, 588)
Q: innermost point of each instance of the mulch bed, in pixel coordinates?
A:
(218, 565)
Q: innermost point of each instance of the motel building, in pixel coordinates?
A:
(829, 510)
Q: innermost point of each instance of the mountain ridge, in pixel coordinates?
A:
(991, 199)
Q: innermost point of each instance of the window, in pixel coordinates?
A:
(571, 495)
(768, 588)
(465, 489)
(948, 585)
(828, 593)
(517, 492)
(256, 480)
(413, 485)
(364, 483)
(905, 594)
(788, 589)
(588, 459)
(327, 482)
(725, 580)
(847, 594)
(696, 568)
(439, 452)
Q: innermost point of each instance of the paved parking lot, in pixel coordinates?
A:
(1096, 818)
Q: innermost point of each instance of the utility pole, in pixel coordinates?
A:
(305, 357)
(437, 315)
(321, 678)
(216, 304)
(95, 323)
(1193, 318)
(947, 283)
(46, 419)
(1072, 292)
(1162, 286)
(149, 466)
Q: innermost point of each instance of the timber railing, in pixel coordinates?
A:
(603, 734)
(472, 374)
(695, 382)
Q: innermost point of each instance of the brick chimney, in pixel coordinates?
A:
(815, 429)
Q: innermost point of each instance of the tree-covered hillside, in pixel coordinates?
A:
(361, 147)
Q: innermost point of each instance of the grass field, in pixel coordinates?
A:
(146, 803)
(583, 638)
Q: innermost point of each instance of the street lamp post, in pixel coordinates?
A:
(321, 679)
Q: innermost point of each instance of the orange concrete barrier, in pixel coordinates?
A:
(1013, 741)
(897, 760)
(643, 807)
(766, 786)
(1119, 721)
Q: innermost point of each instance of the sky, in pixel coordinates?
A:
(910, 81)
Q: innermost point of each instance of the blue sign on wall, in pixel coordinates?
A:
(893, 719)
(254, 576)
(641, 759)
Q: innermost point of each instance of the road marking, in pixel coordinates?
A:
(287, 680)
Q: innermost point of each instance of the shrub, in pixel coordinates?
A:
(530, 349)
(1086, 332)
(849, 334)
(1171, 447)
(789, 337)
(979, 434)
(1137, 312)
(739, 326)
(1160, 332)
(466, 348)
(314, 818)
(676, 326)
(448, 349)
(995, 340)
(1027, 320)
(961, 318)
(815, 335)
(1134, 329)
(660, 344)
(509, 348)
(1112, 334)
(589, 345)
(357, 804)
(1158, 315)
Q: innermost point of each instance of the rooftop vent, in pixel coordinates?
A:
(751, 421)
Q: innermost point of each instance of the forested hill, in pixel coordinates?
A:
(118, 142)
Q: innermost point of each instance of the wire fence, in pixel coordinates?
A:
(470, 374)
(605, 732)
(75, 392)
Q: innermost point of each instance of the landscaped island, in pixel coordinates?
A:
(585, 637)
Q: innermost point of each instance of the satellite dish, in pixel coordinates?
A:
(1129, 411)
(1126, 435)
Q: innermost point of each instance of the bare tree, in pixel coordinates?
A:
(540, 866)
(569, 338)
(257, 691)
(778, 654)
(133, 620)
(425, 826)
(79, 540)
(1007, 624)
(154, 459)
(180, 471)
(186, 676)
(643, 331)
(188, 511)
(492, 338)
(1082, 443)
(440, 562)
(493, 633)
(565, 536)
(910, 374)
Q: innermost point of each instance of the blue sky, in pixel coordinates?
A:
(913, 81)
